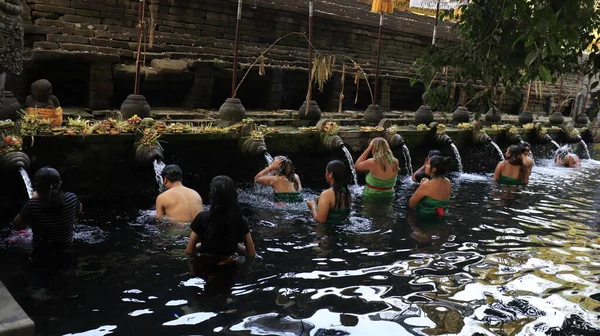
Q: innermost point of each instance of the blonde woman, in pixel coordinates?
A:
(382, 170)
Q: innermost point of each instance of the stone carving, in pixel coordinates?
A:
(11, 41)
(41, 95)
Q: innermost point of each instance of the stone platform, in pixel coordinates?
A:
(13, 320)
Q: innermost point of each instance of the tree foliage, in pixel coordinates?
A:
(507, 43)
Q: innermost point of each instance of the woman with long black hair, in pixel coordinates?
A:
(51, 214)
(217, 232)
(334, 203)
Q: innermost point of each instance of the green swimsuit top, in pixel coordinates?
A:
(377, 188)
(509, 180)
(289, 197)
(428, 206)
(337, 215)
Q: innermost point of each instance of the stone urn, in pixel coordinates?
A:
(145, 155)
(232, 110)
(373, 113)
(461, 115)
(10, 108)
(493, 115)
(582, 119)
(135, 104)
(525, 117)
(313, 113)
(14, 160)
(556, 118)
(424, 115)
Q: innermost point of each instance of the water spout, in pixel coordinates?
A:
(498, 150)
(515, 138)
(394, 140)
(158, 168)
(407, 160)
(457, 156)
(27, 181)
(14, 160)
(545, 138)
(587, 151)
(146, 155)
(332, 142)
(351, 164)
(443, 139)
(482, 138)
(254, 147)
(555, 144)
(268, 158)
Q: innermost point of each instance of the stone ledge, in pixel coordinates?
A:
(13, 320)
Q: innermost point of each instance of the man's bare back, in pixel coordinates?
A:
(179, 204)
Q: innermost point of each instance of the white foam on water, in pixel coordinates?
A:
(132, 291)
(100, 331)
(173, 303)
(191, 319)
(140, 312)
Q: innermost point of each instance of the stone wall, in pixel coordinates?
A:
(100, 37)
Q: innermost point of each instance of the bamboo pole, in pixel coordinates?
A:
(435, 27)
(527, 98)
(376, 97)
(235, 49)
(136, 89)
(310, 40)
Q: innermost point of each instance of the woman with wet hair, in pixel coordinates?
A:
(382, 170)
(432, 196)
(333, 206)
(217, 232)
(51, 214)
(512, 171)
(281, 176)
(421, 174)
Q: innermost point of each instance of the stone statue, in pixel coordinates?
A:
(11, 42)
(41, 95)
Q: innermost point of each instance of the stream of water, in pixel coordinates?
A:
(158, 168)
(351, 164)
(268, 158)
(458, 158)
(498, 150)
(555, 144)
(27, 181)
(587, 151)
(407, 160)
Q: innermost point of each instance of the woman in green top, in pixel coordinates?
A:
(333, 206)
(382, 170)
(512, 171)
(431, 198)
(281, 176)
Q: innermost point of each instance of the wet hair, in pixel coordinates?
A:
(172, 172)
(383, 154)
(514, 155)
(524, 147)
(567, 162)
(225, 213)
(433, 153)
(340, 182)
(47, 184)
(441, 164)
(287, 170)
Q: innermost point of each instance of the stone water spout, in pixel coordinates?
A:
(515, 138)
(542, 136)
(332, 142)
(254, 147)
(481, 138)
(394, 140)
(145, 155)
(14, 161)
(443, 139)
(571, 134)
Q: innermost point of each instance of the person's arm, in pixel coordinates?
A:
(191, 246)
(363, 162)
(498, 171)
(263, 178)
(249, 243)
(160, 207)
(321, 210)
(418, 195)
(414, 176)
(19, 223)
(298, 180)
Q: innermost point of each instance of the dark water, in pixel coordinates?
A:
(523, 262)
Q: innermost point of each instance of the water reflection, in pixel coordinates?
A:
(524, 264)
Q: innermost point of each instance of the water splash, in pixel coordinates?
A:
(498, 150)
(458, 158)
(587, 151)
(27, 181)
(158, 168)
(269, 158)
(351, 164)
(555, 144)
(407, 160)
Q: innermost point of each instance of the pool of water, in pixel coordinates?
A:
(503, 262)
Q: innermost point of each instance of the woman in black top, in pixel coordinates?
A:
(51, 214)
(217, 232)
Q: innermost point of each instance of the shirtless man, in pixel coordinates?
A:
(179, 204)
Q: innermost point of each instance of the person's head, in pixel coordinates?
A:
(513, 155)
(525, 148)
(571, 160)
(223, 194)
(432, 153)
(383, 154)
(287, 170)
(336, 176)
(171, 174)
(225, 214)
(47, 184)
(438, 165)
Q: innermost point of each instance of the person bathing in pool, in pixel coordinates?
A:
(420, 174)
(333, 206)
(382, 170)
(281, 177)
(178, 204)
(513, 170)
(570, 160)
(432, 195)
